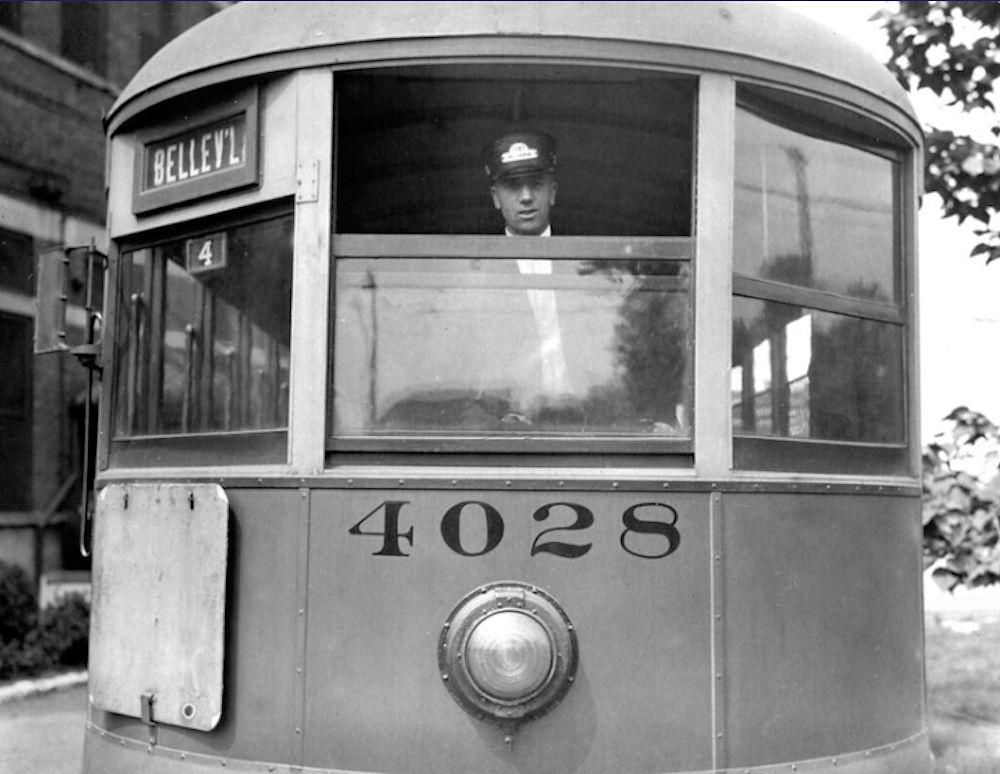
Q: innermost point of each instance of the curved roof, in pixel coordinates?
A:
(257, 37)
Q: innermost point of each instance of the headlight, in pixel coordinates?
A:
(508, 652)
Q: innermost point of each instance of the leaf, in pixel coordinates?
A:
(946, 579)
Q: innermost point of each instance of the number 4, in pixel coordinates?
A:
(390, 533)
(205, 254)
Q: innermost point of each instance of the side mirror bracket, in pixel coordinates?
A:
(55, 272)
(60, 272)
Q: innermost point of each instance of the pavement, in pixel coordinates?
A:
(44, 732)
(23, 689)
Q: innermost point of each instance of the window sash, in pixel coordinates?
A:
(490, 247)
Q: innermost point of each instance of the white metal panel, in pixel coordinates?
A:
(158, 616)
(713, 273)
(311, 272)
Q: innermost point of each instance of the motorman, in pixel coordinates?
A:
(521, 167)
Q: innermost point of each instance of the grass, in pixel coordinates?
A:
(963, 693)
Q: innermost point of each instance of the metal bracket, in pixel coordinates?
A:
(146, 702)
(307, 182)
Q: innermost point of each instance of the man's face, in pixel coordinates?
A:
(525, 201)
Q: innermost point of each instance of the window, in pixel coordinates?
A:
(84, 33)
(411, 141)
(17, 261)
(448, 336)
(15, 347)
(818, 322)
(158, 23)
(16, 437)
(463, 346)
(204, 323)
(10, 16)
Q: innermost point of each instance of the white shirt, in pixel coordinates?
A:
(555, 374)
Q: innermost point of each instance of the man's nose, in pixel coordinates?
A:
(526, 193)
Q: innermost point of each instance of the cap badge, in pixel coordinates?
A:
(518, 152)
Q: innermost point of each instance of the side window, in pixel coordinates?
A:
(203, 332)
(818, 319)
(450, 335)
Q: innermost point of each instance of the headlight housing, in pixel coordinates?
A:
(508, 652)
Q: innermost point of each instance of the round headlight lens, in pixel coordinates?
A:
(508, 652)
(509, 655)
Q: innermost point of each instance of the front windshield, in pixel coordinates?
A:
(511, 347)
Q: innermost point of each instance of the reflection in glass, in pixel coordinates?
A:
(813, 212)
(480, 347)
(802, 373)
(205, 351)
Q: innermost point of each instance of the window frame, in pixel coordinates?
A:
(492, 247)
(564, 450)
(235, 447)
(759, 452)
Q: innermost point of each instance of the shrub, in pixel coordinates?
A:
(63, 631)
(17, 603)
(962, 501)
(58, 637)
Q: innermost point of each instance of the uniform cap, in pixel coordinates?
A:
(520, 153)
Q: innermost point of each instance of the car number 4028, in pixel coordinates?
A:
(648, 530)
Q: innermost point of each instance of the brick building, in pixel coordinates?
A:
(61, 67)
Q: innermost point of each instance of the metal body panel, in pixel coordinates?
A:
(797, 644)
(159, 602)
(112, 754)
(262, 646)
(248, 35)
(375, 699)
(823, 624)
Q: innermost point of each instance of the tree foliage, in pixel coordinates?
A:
(961, 481)
(952, 49)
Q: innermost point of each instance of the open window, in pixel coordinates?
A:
(410, 144)
(818, 319)
(448, 336)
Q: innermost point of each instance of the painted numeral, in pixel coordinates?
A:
(666, 530)
(584, 520)
(390, 533)
(451, 528)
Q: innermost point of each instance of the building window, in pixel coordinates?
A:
(158, 26)
(16, 261)
(84, 34)
(10, 17)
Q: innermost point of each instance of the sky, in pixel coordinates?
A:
(959, 296)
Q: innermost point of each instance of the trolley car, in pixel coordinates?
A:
(348, 518)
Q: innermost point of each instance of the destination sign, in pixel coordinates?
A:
(205, 151)
(211, 152)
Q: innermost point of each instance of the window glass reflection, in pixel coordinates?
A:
(813, 212)
(507, 347)
(802, 373)
(205, 350)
